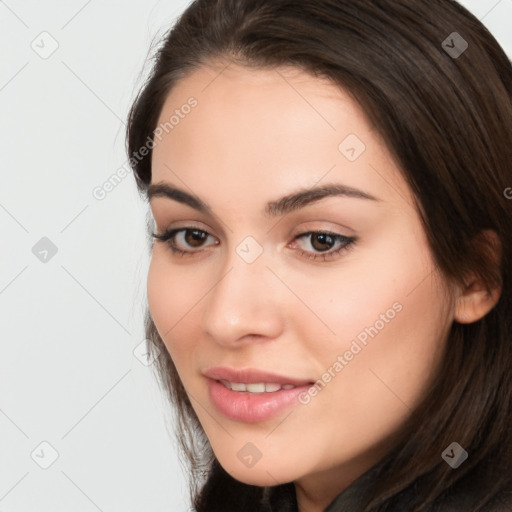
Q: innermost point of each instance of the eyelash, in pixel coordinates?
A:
(348, 242)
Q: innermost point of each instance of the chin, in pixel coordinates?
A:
(259, 478)
(262, 474)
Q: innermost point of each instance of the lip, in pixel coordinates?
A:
(252, 376)
(252, 407)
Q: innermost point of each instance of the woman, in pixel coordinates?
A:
(330, 283)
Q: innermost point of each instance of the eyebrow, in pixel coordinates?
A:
(279, 207)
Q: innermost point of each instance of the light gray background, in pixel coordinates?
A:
(69, 326)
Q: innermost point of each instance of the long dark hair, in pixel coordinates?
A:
(446, 118)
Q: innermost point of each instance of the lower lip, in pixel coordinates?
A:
(252, 407)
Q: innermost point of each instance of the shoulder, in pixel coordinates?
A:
(475, 498)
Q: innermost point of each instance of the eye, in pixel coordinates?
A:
(183, 241)
(324, 241)
(187, 237)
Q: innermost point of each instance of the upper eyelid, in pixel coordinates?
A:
(190, 224)
(296, 233)
(304, 233)
(193, 224)
(215, 223)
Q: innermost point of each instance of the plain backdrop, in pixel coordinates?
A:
(84, 426)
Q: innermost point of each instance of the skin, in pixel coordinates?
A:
(257, 135)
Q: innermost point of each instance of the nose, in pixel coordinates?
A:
(244, 304)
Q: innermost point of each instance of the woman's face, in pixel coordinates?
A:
(359, 307)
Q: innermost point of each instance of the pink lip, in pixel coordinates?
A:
(252, 407)
(252, 376)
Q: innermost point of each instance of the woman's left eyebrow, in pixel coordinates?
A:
(302, 198)
(279, 207)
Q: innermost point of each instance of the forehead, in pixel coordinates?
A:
(269, 125)
(224, 87)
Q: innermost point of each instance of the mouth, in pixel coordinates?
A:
(251, 395)
(248, 376)
(257, 387)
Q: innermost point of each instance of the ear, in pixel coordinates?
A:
(475, 300)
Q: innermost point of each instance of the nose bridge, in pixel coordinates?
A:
(242, 301)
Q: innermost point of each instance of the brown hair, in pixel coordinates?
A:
(447, 121)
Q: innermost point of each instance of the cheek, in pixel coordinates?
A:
(168, 296)
(388, 378)
(390, 316)
(171, 303)
(368, 292)
(160, 300)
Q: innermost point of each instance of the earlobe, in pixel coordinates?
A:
(476, 299)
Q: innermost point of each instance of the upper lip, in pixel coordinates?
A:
(251, 376)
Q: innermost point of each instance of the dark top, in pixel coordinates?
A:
(462, 498)
(350, 499)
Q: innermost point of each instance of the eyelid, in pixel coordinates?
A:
(322, 226)
(347, 242)
(170, 219)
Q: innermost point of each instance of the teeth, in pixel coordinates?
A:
(260, 387)
(256, 388)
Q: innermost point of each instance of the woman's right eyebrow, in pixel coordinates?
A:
(164, 190)
(276, 208)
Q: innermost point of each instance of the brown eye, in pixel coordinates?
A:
(323, 245)
(322, 241)
(195, 237)
(184, 240)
